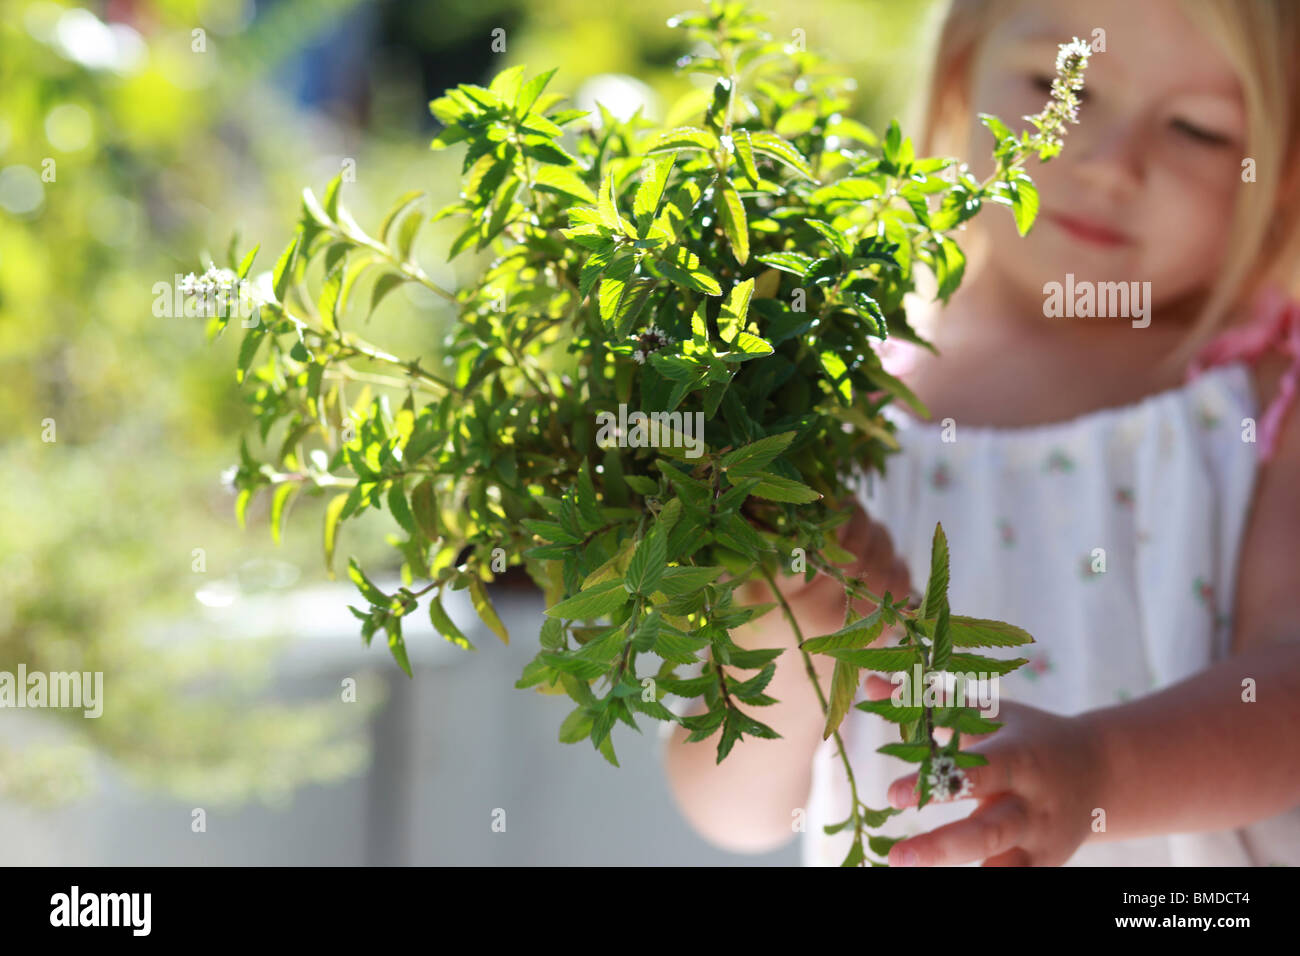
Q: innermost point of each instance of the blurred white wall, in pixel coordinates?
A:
(449, 747)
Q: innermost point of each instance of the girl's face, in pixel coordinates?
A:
(1145, 186)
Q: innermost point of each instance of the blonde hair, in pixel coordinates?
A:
(1260, 38)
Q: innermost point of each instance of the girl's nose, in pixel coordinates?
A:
(1109, 157)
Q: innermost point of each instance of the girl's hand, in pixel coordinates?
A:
(1035, 797)
(820, 602)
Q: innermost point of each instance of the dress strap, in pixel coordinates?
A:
(1274, 323)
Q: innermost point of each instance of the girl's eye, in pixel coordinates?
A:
(1197, 134)
(1041, 82)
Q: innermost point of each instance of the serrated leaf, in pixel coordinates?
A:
(646, 568)
(734, 312)
(887, 659)
(744, 148)
(936, 590)
(279, 499)
(1024, 203)
(651, 190)
(683, 137)
(332, 512)
(443, 624)
(530, 91)
(282, 272)
(759, 454)
(486, 612)
(597, 601)
(793, 262)
(385, 284)
(735, 223)
(364, 585)
(978, 632)
(844, 686)
(913, 753)
(564, 180)
(783, 152)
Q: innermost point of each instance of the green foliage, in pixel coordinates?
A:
(717, 272)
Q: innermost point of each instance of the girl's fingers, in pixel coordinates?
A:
(877, 688)
(992, 830)
(1016, 856)
(902, 792)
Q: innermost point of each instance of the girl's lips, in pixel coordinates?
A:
(1087, 231)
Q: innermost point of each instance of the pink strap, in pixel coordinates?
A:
(1274, 324)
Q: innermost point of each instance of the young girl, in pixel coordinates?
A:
(1128, 491)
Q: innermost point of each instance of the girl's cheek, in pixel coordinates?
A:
(1186, 226)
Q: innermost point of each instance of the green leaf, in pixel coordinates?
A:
(782, 151)
(650, 193)
(844, 686)
(858, 634)
(406, 234)
(576, 727)
(562, 180)
(279, 499)
(385, 284)
(837, 239)
(486, 612)
(683, 137)
(677, 581)
(332, 512)
(596, 601)
(397, 646)
(443, 624)
(793, 262)
(398, 208)
(977, 632)
(328, 303)
(913, 753)
(731, 213)
(530, 91)
(1024, 202)
(646, 568)
(735, 310)
(837, 374)
(247, 263)
(744, 148)
(364, 585)
(776, 488)
(962, 663)
(887, 659)
(424, 507)
(759, 454)
(280, 276)
(400, 509)
(936, 590)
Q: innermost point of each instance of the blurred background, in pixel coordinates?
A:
(136, 137)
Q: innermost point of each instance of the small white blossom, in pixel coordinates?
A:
(947, 782)
(1063, 107)
(228, 476)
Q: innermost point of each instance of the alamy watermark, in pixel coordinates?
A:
(1086, 300)
(946, 689)
(75, 689)
(654, 430)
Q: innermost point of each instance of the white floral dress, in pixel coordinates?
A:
(1113, 539)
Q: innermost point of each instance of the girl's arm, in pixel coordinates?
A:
(1204, 754)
